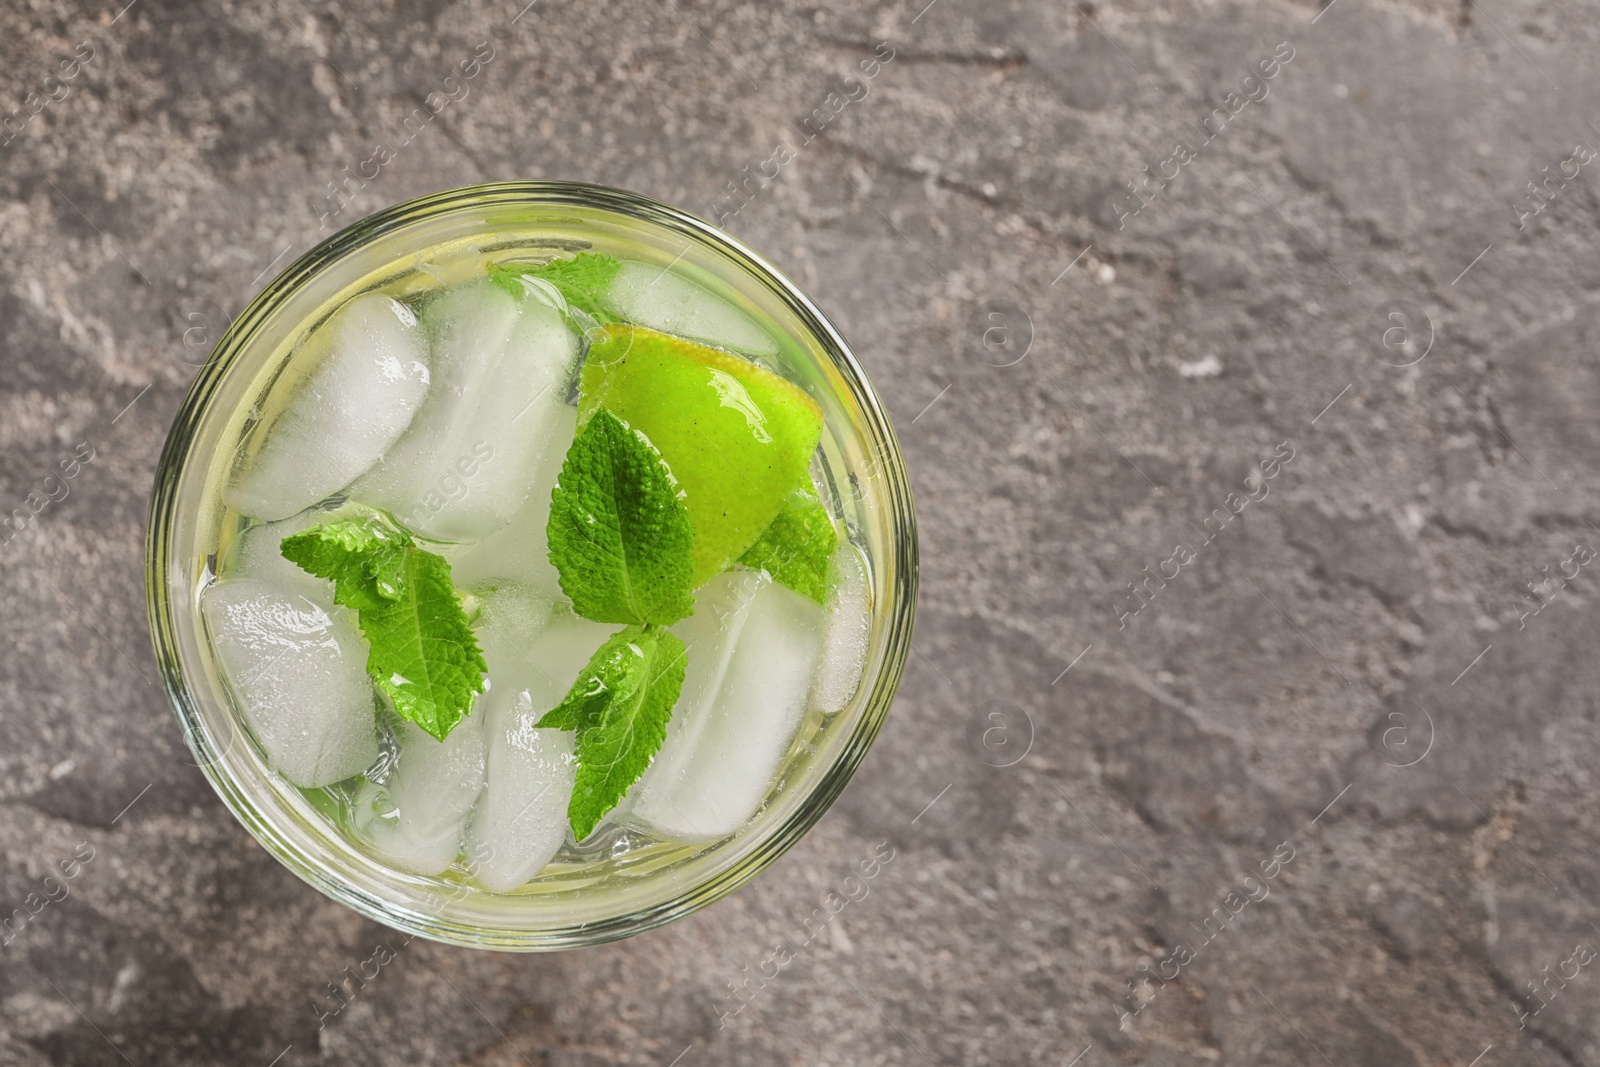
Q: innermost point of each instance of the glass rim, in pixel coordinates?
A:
(893, 492)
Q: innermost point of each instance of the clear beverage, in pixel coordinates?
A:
(441, 390)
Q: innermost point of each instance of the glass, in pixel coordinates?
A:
(624, 886)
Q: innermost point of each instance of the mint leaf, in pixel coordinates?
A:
(619, 533)
(508, 276)
(349, 552)
(619, 707)
(797, 547)
(582, 281)
(421, 651)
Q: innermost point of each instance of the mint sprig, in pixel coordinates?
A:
(797, 547)
(619, 708)
(421, 650)
(582, 281)
(620, 541)
(619, 532)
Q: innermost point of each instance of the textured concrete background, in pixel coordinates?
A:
(1350, 670)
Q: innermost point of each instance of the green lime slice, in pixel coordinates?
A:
(736, 436)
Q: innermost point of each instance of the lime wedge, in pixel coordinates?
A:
(736, 436)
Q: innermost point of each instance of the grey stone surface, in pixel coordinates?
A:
(1350, 664)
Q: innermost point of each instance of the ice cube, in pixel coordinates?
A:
(471, 456)
(417, 821)
(521, 818)
(645, 294)
(259, 555)
(297, 669)
(709, 636)
(510, 622)
(719, 763)
(846, 633)
(369, 376)
(519, 551)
